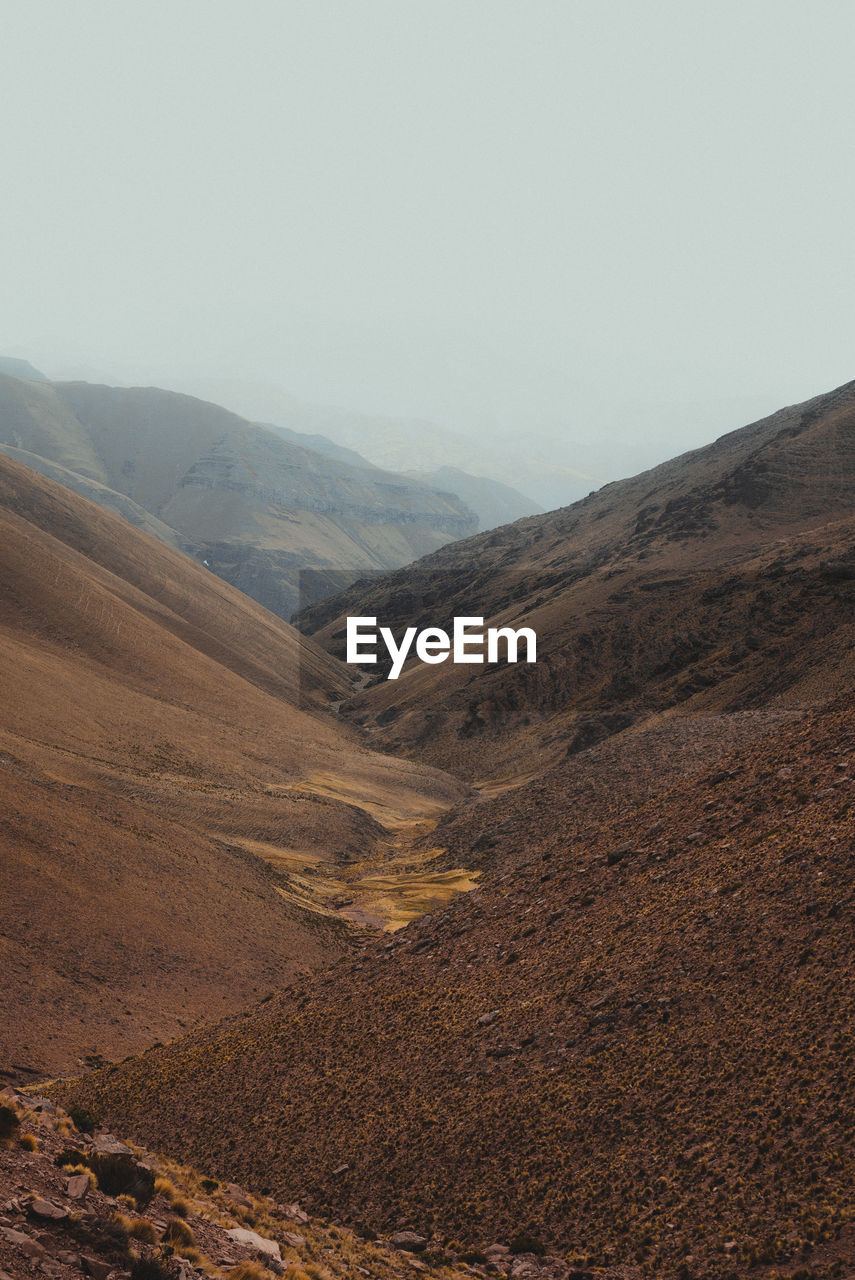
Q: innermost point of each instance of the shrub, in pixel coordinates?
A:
(142, 1229)
(122, 1175)
(178, 1233)
(72, 1157)
(474, 1257)
(248, 1271)
(154, 1269)
(209, 1184)
(28, 1141)
(9, 1122)
(82, 1119)
(525, 1243)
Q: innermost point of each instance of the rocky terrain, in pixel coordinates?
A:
(80, 1203)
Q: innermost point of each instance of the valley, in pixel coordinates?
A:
(547, 965)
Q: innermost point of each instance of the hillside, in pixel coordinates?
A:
(721, 579)
(179, 805)
(253, 506)
(632, 1042)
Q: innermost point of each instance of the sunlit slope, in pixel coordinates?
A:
(153, 721)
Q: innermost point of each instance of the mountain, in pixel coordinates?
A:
(18, 368)
(494, 503)
(718, 580)
(180, 808)
(405, 444)
(254, 507)
(629, 1045)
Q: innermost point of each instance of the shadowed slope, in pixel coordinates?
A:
(698, 585)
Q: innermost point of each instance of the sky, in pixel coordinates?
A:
(600, 231)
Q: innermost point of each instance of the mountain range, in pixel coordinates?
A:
(540, 968)
(256, 505)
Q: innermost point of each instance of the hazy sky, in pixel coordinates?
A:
(525, 215)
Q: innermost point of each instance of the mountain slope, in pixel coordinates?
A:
(167, 757)
(632, 1042)
(494, 503)
(677, 588)
(252, 505)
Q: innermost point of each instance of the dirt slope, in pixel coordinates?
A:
(155, 726)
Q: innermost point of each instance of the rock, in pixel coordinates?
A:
(237, 1195)
(97, 1268)
(77, 1186)
(411, 1241)
(497, 1253)
(295, 1241)
(69, 1259)
(525, 1267)
(106, 1144)
(44, 1209)
(42, 1104)
(342, 1168)
(250, 1240)
(294, 1212)
(487, 1019)
(23, 1243)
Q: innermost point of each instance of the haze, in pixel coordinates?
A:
(566, 232)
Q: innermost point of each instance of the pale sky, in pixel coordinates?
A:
(545, 219)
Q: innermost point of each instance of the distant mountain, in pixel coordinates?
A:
(320, 444)
(521, 459)
(248, 503)
(20, 369)
(494, 503)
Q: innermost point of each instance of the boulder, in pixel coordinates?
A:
(411, 1241)
(44, 1209)
(251, 1240)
